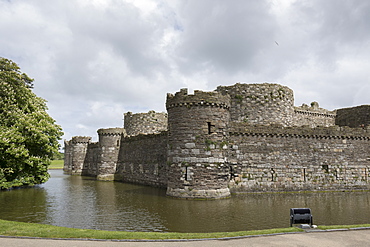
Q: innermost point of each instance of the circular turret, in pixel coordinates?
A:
(145, 123)
(75, 154)
(260, 103)
(197, 144)
(109, 142)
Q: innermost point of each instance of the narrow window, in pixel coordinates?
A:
(117, 143)
(210, 128)
(188, 174)
(325, 168)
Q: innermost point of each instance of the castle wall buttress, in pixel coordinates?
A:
(354, 116)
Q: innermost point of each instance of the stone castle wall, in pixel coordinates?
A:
(92, 158)
(241, 138)
(143, 160)
(354, 116)
(313, 116)
(272, 158)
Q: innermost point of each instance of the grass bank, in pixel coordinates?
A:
(56, 164)
(12, 228)
(343, 226)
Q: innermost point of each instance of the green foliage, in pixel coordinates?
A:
(28, 135)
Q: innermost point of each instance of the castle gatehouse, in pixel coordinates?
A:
(240, 138)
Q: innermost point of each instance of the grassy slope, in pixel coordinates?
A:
(56, 164)
(11, 228)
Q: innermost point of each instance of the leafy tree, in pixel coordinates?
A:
(28, 135)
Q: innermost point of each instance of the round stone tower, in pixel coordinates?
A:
(109, 142)
(263, 103)
(145, 123)
(75, 154)
(197, 145)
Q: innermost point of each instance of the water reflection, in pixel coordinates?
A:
(82, 202)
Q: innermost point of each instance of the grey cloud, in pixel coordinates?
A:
(92, 62)
(224, 35)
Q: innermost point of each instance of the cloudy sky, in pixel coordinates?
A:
(93, 60)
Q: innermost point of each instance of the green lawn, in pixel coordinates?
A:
(343, 226)
(12, 228)
(56, 164)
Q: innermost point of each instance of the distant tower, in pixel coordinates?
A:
(198, 144)
(264, 103)
(75, 154)
(109, 142)
(145, 123)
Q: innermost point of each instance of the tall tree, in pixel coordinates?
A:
(28, 135)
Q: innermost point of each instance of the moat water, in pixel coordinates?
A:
(82, 202)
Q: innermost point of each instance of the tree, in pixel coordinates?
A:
(28, 135)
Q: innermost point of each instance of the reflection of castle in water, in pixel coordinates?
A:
(240, 138)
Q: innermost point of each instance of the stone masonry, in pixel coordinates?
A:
(240, 138)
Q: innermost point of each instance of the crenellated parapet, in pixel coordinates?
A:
(112, 132)
(313, 115)
(321, 132)
(199, 98)
(81, 139)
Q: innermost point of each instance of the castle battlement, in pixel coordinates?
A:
(111, 132)
(321, 132)
(81, 139)
(314, 110)
(199, 98)
(239, 138)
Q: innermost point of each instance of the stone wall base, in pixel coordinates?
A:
(73, 172)
(199, 194)
(105, 177)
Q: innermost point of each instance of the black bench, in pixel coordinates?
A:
(300, 216)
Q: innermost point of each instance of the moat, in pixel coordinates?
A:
(82, 202)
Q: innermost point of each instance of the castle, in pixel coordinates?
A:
(240, 138)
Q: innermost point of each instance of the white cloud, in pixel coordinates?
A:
(94, 60)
